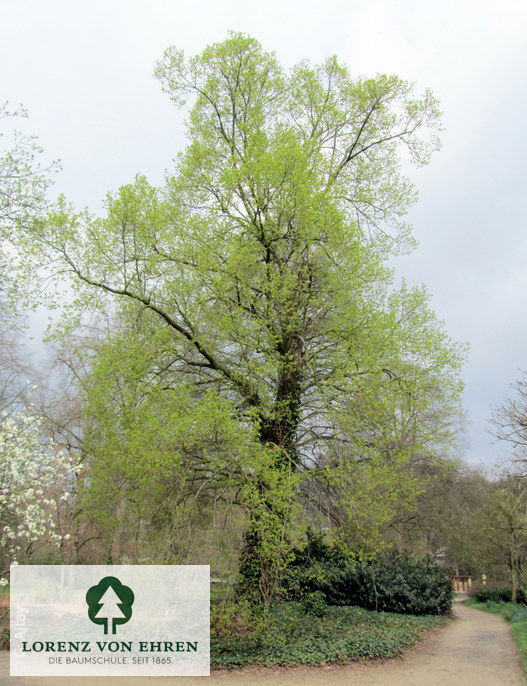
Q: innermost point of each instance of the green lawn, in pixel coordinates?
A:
(343, 634)
(513, 613)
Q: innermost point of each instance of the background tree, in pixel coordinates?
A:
(445, 521)
(23, 179)
(500, 531)
(23, 185)
(35, 476)
(258, 278)
(509, 422)
(34, 483)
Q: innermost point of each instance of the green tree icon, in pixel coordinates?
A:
(110, 603)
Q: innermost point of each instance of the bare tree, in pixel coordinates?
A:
(509, 423)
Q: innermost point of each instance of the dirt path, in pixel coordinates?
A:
(476, 649)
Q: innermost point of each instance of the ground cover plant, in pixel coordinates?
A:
(291, 636)
(305, 632)
(4, 618)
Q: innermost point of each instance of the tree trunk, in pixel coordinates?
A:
(514, 579)
(280, 428)
(260, 573)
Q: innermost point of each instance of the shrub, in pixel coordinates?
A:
(477, 585)
(230, 618)
(502, 594)
(318, 567)
(314, 604)
(397, 581)
(393, 581)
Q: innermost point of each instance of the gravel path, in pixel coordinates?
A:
(476, 649)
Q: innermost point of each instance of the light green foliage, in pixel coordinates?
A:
(275, 354)
(155, 446)
(23, 181)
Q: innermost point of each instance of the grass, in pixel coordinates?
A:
(343, 634)
(513, 613)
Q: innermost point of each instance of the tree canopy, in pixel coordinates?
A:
(261, 348)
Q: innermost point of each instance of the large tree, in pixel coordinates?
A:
(255, 284)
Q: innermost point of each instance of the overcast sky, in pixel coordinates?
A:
(84, 71)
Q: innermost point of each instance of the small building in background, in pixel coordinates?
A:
(462, 583)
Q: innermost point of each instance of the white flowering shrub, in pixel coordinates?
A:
(30, 471)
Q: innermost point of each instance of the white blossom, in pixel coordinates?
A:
(29, 468)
